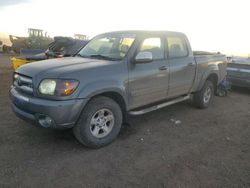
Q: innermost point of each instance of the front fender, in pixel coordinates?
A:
(96, 88)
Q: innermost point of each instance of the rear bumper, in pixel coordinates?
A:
(64, 114)
(236, 81)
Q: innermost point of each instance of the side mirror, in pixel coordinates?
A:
(144, 57)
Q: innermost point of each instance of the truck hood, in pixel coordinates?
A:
(63, 65)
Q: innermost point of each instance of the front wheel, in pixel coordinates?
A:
(203, 97)
(99, 123)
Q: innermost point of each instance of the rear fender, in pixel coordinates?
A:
(213, 69)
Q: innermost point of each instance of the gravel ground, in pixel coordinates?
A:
(178, 146)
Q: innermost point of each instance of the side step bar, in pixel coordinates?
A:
(156, 107)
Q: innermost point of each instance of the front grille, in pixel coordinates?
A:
(23, 84)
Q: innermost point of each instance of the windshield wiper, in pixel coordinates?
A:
(104, 57)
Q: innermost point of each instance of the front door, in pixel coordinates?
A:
(148, 82)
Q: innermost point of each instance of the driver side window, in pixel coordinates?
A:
(153, 45)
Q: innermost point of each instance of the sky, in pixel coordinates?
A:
(211, 25)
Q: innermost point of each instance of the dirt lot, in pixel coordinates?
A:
(209, 148)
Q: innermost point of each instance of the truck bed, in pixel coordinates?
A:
(208, 60)
(197, 53)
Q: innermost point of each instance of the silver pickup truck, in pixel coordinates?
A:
(115, 74)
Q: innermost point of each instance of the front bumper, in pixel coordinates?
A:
(64, 114)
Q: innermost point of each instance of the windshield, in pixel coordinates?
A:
(107, 47)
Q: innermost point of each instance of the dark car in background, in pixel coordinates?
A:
(238, 71)
(60, 47)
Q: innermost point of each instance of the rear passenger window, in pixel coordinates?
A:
(154, 46)
(177, 47)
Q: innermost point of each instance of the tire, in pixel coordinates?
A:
(202, 98)
(95, 127)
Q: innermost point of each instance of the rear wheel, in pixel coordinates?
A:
(100, 122)
(203, 97)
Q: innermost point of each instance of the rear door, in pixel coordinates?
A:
(148, 82)
(182, 65)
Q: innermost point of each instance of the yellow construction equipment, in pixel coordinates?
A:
(18, 62)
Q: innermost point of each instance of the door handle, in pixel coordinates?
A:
(162, 68)
(191, 64)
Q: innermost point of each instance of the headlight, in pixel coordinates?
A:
(58, 87)
(66, 87)
(47, 87)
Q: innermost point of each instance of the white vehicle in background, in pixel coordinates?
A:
(1, 46)
(5, 43)
(4, 48)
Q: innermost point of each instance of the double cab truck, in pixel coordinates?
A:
(115, 75)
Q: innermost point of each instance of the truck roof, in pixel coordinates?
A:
(142, 32)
